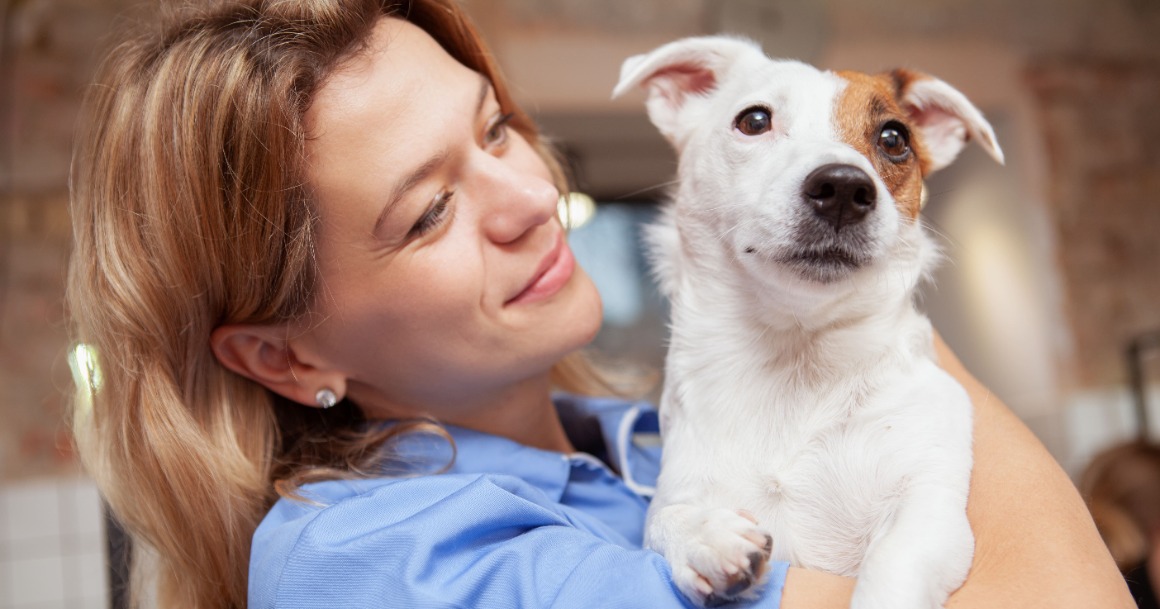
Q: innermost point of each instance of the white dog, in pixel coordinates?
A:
(802, 391)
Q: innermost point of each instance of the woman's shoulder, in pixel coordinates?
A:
(338, 508)
(372, 525)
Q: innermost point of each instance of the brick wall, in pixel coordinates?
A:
(1102, 138)
(47, 56)
(33, 339)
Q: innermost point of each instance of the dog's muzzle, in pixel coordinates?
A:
(831, 236)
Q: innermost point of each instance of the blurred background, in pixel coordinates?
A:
(1050, 292)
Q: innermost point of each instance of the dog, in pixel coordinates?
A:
(803, 414)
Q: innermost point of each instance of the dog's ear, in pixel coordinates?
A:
(946, 118)
(680, 72)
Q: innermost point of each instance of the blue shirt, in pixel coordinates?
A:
(506, 526)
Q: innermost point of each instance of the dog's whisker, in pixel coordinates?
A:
(726, 206)
(932, 227)
(731, 230)
(655, 187)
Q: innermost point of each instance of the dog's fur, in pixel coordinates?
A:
(802, 403)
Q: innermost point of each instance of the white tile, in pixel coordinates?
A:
(96, 602)
(37, 580)
(1096, 420)
(87, 576)
(5, 584)
(82, 516)
(1152, 402)
(31, 511)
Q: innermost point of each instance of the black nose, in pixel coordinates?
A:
(840, 194)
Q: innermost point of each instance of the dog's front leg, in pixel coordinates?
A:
(924, 556)
(717, 553)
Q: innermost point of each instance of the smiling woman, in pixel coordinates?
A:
(319, 266)
(326, 202)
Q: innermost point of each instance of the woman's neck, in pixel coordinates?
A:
(524, 413)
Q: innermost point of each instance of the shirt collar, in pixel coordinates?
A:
(482, 453)
(632, 437)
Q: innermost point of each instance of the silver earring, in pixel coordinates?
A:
(325, 398)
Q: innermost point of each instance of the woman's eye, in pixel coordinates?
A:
(894, 141)
(497, 131)
(754, 121)
(434, 215)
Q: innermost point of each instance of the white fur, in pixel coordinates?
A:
(816, 406)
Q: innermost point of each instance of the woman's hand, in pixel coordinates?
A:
(1035, 543)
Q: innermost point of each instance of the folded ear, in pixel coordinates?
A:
(944, 116)
(681, 71)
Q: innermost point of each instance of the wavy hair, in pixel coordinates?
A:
(190, 210)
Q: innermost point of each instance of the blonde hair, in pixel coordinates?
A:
(1122, 488)
(190, 211)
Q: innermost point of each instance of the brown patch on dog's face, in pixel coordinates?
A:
(869, 117)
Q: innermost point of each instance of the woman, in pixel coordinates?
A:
(284, 206)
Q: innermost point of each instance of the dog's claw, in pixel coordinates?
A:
(744, 579)
(757, 562)
(739, 586)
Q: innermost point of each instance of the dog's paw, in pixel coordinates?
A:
(717, 555)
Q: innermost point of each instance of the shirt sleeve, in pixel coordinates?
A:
(478, 541)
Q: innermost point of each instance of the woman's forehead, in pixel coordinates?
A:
(385, 105)
(400, 64)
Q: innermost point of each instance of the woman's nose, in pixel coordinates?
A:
(518, 199)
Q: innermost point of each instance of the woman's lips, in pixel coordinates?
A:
(554, 271)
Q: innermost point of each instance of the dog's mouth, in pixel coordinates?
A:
(833, 256)
(825, 264)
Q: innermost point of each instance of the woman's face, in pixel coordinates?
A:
(446, 277)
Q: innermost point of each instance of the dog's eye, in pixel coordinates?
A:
(753, 121)
(894, 141)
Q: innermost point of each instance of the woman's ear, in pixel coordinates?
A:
(264, 355)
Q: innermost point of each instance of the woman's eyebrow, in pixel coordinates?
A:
(422, 172)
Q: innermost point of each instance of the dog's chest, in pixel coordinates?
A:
(826, 497)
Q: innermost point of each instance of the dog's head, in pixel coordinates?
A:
(798, 173)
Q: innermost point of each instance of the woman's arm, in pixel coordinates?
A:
(1035, 544)
(815, 590)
